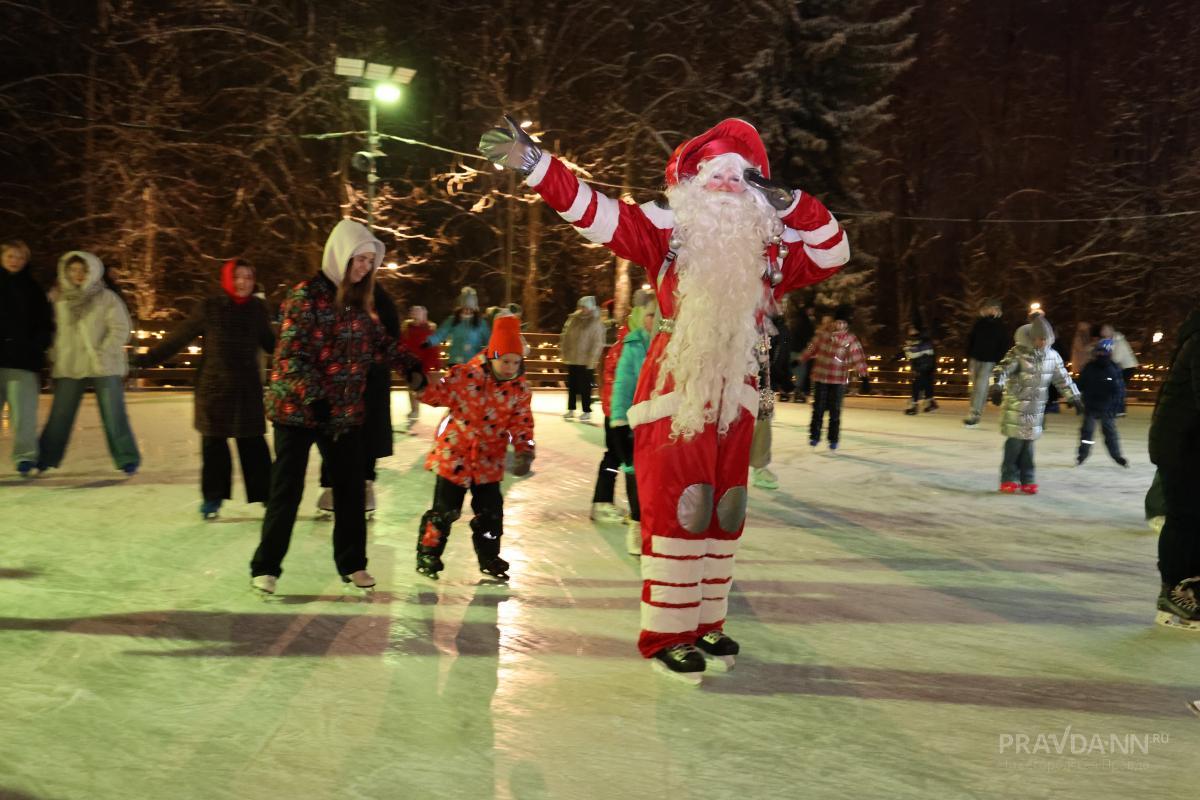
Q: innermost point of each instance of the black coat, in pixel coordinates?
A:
(1102, 386)
(1175, 427)
(26, 322)
(377, 396)
(988, 340)
(229, 394)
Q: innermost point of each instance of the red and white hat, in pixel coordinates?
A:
(727, 136)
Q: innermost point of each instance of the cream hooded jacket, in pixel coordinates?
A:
(92, 331)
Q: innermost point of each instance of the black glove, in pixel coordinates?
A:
(778, 195)
(995, 395)
(521, 463)
(510, 147)
(864, 385)
(322, 411)
(623, 443)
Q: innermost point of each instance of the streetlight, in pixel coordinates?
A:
(375, 83)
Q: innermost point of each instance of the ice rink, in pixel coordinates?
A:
(906, 632)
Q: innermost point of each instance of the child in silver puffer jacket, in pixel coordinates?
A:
(1022, 379)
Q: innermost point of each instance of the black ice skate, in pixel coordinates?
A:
(429, 565)
(682, 661)
(1178, 606)
(931, 406)
(719, 648)
(497, 567)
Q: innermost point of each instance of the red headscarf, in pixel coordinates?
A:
(227, 270)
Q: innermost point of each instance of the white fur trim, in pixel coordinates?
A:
(539, 171)
(672, 546)
(796, 195)
(661, 218)
(652, 410)
(835, 256)
(748, 398)
(675, 595)
(791, 236)
(583, 198)
(716, 569)
(608, 213)
(672, 570)
(713, 610)
(722, 547)
(822, 234)
(670, 620)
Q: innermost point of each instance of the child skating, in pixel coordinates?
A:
(1103, 390)
(1023, 378)
(835, 352)
(488, 401)
(918, 351)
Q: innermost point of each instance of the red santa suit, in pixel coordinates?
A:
(693, 488)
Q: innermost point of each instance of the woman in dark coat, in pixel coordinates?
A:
(26, 331)
(229, 397)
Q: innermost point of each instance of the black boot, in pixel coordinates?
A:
(432, 535)
(487, 528)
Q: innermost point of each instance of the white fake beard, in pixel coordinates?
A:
(720, 264)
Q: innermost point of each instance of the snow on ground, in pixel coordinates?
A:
(907, 632)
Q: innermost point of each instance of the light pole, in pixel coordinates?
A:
(375, 83)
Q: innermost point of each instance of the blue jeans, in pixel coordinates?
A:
(110, 396)
(19, 389)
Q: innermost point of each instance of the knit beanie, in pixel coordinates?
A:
(419, 314)
(467, 298)
(588, 302)
(506, 337)
(1104, 347)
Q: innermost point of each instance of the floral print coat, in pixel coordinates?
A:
(485, 414)
(321, 360)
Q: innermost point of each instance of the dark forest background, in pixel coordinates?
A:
(953, 139)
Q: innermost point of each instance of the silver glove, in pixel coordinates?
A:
(510, 147)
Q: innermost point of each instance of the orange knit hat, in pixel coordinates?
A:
(506, 337)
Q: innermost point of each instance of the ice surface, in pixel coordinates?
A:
(902, 627)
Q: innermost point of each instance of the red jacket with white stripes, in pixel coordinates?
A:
(817, 245)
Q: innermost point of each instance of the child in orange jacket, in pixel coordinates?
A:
(488, 401)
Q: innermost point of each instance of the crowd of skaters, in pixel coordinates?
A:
(339, 336)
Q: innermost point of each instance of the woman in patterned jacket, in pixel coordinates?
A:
(329, 336)
(488, 401)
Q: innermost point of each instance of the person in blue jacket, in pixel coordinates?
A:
(629, 368)
(465, 330)
(1103, 389)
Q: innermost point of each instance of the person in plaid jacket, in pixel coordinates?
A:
(835, 353)
(489, 406)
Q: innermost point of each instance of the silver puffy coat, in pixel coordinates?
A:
(1025, 375)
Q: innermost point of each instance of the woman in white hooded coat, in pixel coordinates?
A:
(89, 348)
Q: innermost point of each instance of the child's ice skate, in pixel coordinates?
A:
(496, 567)
(911, 408)
(429, 565)
(681, 661)
(360, 580)
(1009, 487)
(1029, 488)
(1178, 606)
(325, 504)
(719, 650)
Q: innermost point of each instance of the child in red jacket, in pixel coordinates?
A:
(488, 401)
